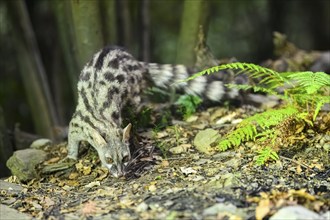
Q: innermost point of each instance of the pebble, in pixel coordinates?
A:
(40, 143)
(12, 213)
(22, 163)
(295, 213)
(225, 208)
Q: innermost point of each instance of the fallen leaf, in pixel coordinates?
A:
(187, 170)
(180, 149)
(89, 208)
(263, 209)
(47, 202)
(52, 160)
(226, 118)
(164, 163)
(152, 188)
(92, 184)
(73, 176)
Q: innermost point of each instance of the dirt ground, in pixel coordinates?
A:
(171, 179)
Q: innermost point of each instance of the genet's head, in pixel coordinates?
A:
(117, 154)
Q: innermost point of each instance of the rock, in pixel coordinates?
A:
(142, 207)
(322, 63)
(11, 188)
(10, 213)
(228, 209)
(326, 215)
(229, 180)
(22, 163)
(204, 139)
(295, 213)
(182, 148)
(40, 143)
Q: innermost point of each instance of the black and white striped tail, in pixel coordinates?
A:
(209, 87)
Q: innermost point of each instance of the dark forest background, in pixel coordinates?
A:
(45, 43)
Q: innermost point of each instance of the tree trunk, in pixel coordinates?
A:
(194, 14)
(109, 22)
(64, 23)
(124, 24)
(6, 149)
(145, 30)
(32, 70)
(87, 29)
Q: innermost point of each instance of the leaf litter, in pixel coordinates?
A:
(178, 173)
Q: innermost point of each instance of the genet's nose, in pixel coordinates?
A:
(118, 170)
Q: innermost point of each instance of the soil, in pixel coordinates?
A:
(170, 179)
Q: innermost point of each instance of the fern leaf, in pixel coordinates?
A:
(311, 81)
(319, 105)
(266, 154)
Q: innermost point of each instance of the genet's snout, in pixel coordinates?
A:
(117, 170)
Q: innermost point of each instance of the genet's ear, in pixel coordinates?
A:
(126, 133)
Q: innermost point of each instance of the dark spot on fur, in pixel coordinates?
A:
(106, 104)
(109, 76)
(120, 78)
(100, 59)
(75, 125)
(124, 56)
(85, 100)
(114, 63)
(132, 80)
(114, 90)
(102, 83)
(111, 92)
(115, 115)
(123, 96)
(133, 67)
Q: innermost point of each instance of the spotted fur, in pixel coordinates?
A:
(112, 79)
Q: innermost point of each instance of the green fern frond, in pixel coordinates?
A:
(247, 129)
(270, 118)
(314, 102)
(319, 105)
(265, 155)
(311, 81)
(236, 137)
(248, 67)
(266, 135)
(206, 71)
(304, 93)
(256, 71)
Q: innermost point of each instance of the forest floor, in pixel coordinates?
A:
(171, 179)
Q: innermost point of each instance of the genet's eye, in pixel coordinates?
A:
(126, 159)
(109, 160)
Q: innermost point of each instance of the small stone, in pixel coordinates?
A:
(182, 148)
(229, 180)
(295, 213)
(22, 164)
(326, 147)
(192, 118)
(40, 143)
(11, 188)
(204, 139)
(142, 207)
(13, 213)
(187, 170)
(225, 208)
